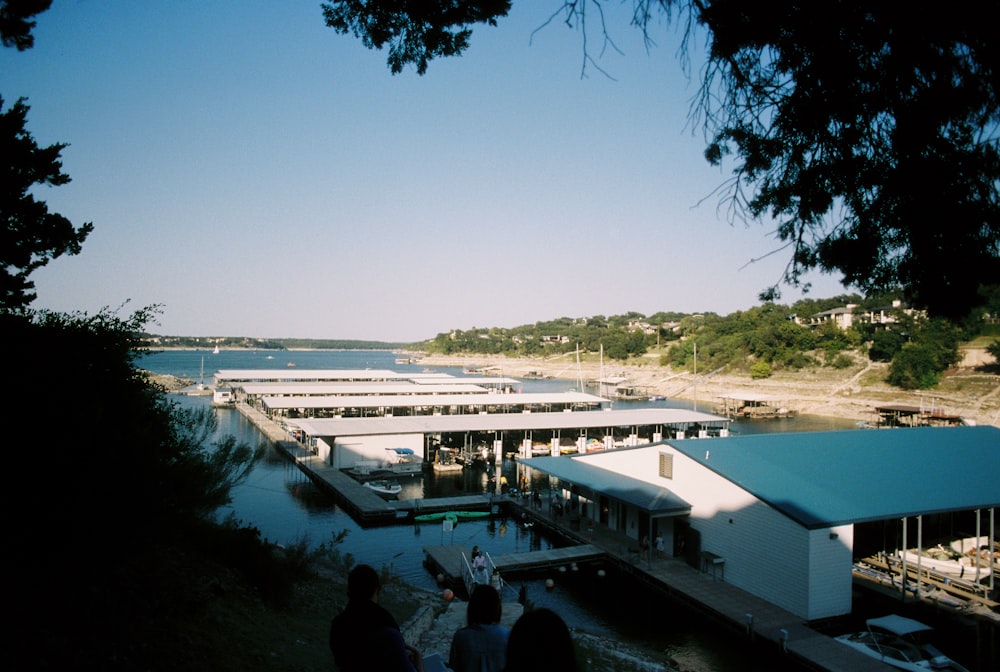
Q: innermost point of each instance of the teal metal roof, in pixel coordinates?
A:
(822, 479)
(654, 500)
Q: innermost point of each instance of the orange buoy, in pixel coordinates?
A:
(440, 579)
(448, 595)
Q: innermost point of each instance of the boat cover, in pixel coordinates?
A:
(898, 625)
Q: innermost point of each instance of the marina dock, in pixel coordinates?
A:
(447, 560)
(746, 616)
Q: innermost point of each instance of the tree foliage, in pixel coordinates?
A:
(16, 24)
(868, 133)
(31, 235)
(416, 32)
(112, 472)
(120, 455)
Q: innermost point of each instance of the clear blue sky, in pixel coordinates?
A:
(258, 174)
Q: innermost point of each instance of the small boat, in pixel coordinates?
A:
(900, 642)
(384, 487)
(453, 516)
(539, 448)
(216, 351)
(948, 562)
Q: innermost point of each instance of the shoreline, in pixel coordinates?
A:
(851, 393)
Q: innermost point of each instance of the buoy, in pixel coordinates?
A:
(573, 567)
(600, 573)
(447, 595)
(562, 569)
(549, 584)
(440, 579)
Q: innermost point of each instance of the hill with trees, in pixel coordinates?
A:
(758, 341)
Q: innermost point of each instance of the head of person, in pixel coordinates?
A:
(363, 584)
(484, 606)
(540, 642)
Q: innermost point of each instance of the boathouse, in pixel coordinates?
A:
(343, 442)
(777, 514)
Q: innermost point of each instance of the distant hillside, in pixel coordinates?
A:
(246, 343)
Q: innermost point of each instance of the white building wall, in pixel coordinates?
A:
(830, 585)
(349, 450)
(766, 553)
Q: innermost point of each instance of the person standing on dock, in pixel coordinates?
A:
(479, 573)
(365, 637)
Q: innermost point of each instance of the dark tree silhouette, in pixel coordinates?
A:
(16, 23)
(31, 235)
(867, 132)
(416, 32)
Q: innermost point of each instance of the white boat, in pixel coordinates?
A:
(384, 487)
(216, 351)
(404, 462)
(900, 642)
(987, 550)
(948, 562)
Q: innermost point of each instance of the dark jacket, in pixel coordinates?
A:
(366, 638)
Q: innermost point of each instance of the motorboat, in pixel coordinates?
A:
(900, 642)
(987, 550)
(948, 562)
(404, 462)
(384, 487)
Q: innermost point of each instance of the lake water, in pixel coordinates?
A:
(286, 507)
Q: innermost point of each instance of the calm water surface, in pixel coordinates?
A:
(286, 507)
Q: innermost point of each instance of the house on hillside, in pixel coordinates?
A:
(847, 316)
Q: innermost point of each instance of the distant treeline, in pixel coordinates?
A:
(757, 341)
(209, 342)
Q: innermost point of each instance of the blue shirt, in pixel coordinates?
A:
(479, 648)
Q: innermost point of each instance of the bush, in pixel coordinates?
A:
(842, 361)
(914, 368)
(760, 370)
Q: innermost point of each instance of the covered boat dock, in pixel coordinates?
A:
(342, 442)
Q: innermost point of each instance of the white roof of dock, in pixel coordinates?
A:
(498, 422)
(314, 388)
(415, 400)
(490, 381)
(292, 373)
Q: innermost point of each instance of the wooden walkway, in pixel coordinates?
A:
(442, 504)
(447, 560)
(553, 557)
(754, 617)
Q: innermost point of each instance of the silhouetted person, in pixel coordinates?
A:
(540, 642)
(481, 646)
(364, 637)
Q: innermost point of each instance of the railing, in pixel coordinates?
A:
(493, 575)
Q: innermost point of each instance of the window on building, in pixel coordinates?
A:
(667, 465)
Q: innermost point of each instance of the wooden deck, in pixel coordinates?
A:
(554, 557)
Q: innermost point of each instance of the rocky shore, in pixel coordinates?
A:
(971, 391)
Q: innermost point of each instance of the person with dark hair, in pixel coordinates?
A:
(364, 637)
(540, 642)
(482, 644)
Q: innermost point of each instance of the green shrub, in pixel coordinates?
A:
(760, 370)
(842, 361)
